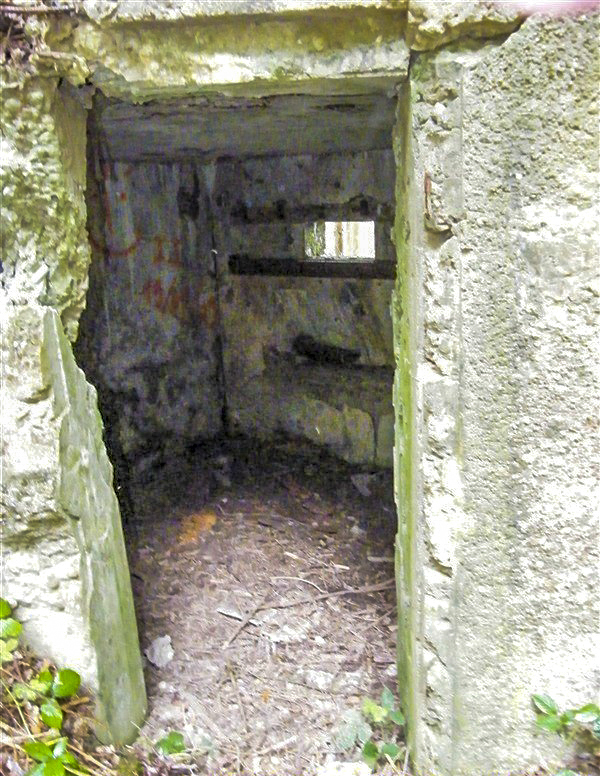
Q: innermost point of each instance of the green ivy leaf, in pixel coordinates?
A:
(62, 753)
(5, 653)
(68, 759)
(391, 750)
(51, 713)
(60, 747)
(567, 717)
(387, 699)
(37, 750)
(66, 683)
(397, 717)
(23, 692)
(545, 704)
(373, 710)
(566, 772)
(9, 628)
(42, 682)
(53, 768)
(549, 722)
(171, 743)
(588, 713)
(370, 754)
(5, 609)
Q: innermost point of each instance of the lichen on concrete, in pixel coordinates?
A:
(501, 255)
(65, 566)
(46, 253)
(267, 54)
(87, 497)
(432, 24)
(63, 548)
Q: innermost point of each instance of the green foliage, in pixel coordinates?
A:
(172, 743)
(377, 714)
(43, 689)
(55, 761)
(48, 750)
(376, 729)
(386, 718)
(65, 683)
(581, 725)
(51, 713)
(5, 609)
(10, 628)
(9, 632)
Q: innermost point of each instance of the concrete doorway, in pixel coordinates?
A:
(244, 373)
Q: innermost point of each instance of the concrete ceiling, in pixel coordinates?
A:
(219, 126)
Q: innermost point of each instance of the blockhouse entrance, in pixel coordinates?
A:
(238, 330)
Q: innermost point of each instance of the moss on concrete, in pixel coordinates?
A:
(45, 249)
(148, 59)
(86, 495)
(404, 328)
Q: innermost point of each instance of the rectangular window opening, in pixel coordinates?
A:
(340, 240)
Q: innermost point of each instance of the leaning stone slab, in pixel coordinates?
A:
(65, 563)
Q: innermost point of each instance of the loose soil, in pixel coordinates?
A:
(248, 556)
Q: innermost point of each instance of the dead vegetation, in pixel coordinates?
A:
(272, 577)
(21, 724)
(17, 42)
(263, 580)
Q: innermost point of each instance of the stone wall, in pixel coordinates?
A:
(499, 278)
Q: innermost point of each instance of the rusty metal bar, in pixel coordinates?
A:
(365, 269)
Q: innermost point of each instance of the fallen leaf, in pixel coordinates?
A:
(265, 695)
(195, 524)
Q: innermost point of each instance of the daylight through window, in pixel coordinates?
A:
(340, 240)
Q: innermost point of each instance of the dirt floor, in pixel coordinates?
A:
(247, 556)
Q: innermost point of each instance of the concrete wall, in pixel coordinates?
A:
(348, 409)
(63, 563)
(498, 546)
(494, 338)
(158, 321)
(148, 334)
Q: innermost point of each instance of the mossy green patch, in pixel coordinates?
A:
(87, 496)
(403, 405)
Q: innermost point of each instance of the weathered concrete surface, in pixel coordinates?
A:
(497, 236)
(148, 335)
(64, 562)
(119, 10)
(321, 51)
(157, 317)
(432, 24)
(345, 410)
(266, 387)
(46, 254)
(319, 47)
(62, 547)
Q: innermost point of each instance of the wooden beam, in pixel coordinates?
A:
(360, 269)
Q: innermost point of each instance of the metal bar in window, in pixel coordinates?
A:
(242, 264)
